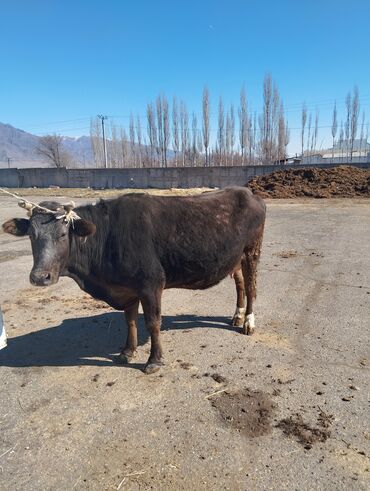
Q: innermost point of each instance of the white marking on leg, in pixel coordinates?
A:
(239, 313)
(2, 332)
(250, 321)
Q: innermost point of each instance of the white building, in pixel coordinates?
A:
(342, 148)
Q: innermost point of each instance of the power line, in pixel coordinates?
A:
(57, 122)
(297, 106)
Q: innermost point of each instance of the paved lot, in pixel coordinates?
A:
(287, 408)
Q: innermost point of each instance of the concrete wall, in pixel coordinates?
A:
(173, 177)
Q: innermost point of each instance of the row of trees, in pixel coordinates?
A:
(344, 141)
(171, 136)
(349, 128)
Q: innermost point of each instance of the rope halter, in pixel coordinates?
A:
(64, 213)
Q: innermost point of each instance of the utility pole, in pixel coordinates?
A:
(9, 161)
(103, 118)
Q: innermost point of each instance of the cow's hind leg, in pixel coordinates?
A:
(129, 351)
(151, 303)
(239, 316)
(249, 267)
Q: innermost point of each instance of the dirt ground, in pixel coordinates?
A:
(286, 408)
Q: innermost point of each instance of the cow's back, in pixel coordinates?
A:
(195, 240)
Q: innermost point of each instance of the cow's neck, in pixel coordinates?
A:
(85, 259)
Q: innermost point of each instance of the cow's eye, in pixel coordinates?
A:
(63, 234)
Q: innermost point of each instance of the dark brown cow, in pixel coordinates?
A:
(128, 250)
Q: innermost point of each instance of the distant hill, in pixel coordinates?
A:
(17, 145)
(20, 147)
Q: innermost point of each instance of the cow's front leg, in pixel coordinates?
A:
(151, 303)
(129, 351)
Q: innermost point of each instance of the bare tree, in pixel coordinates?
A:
(309, 142)
(132, 140)
(253, 141)
(251, 138)
(139, 140)
(200, 142)
(221, 131)
(315, 133)
(160, 128)
(228, 138)
(341, 138)
(205, 126)
(347, 128)
(273, 144)
(163, 128)
(243, 124)
(334, 127)
(194, 144)
(115, 148)
(362, 132)
(152, 132)
(184, 131)
(96, 141)
(166, 128)
(287, 137)
(124, 150)
(354, 117)
(266, 118)
(232, 132)
(367, 134)
(269, 121)
(281, 135)
(175, 130)
(51, 148)
(146, 152)
(304, 119)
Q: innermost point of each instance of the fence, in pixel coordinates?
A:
(172, 177)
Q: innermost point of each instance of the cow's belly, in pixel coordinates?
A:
(200, 279)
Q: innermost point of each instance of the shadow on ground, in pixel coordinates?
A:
(90, 340)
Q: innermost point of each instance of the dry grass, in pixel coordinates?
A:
(106, 193)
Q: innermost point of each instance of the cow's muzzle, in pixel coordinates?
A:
(42, 278)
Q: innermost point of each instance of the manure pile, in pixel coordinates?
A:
(343, 181)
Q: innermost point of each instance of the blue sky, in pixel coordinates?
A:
(65, 61)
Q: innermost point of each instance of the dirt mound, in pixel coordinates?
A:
(342, 182)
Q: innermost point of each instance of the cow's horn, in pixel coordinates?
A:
(69, 206)
(27, 206)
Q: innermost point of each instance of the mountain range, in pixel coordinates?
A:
(19, 149)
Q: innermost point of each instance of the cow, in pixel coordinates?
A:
(129, 249)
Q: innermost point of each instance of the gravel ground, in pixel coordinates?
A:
(287, 408)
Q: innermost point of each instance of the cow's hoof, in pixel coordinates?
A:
(248, 330)
(239, 317)
(122, 359)
(237, 321)
(152, 368)
(249, 324)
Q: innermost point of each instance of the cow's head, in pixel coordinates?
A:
(51, 235)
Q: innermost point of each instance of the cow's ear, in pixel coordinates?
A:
(16, 226)
(83, 228)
